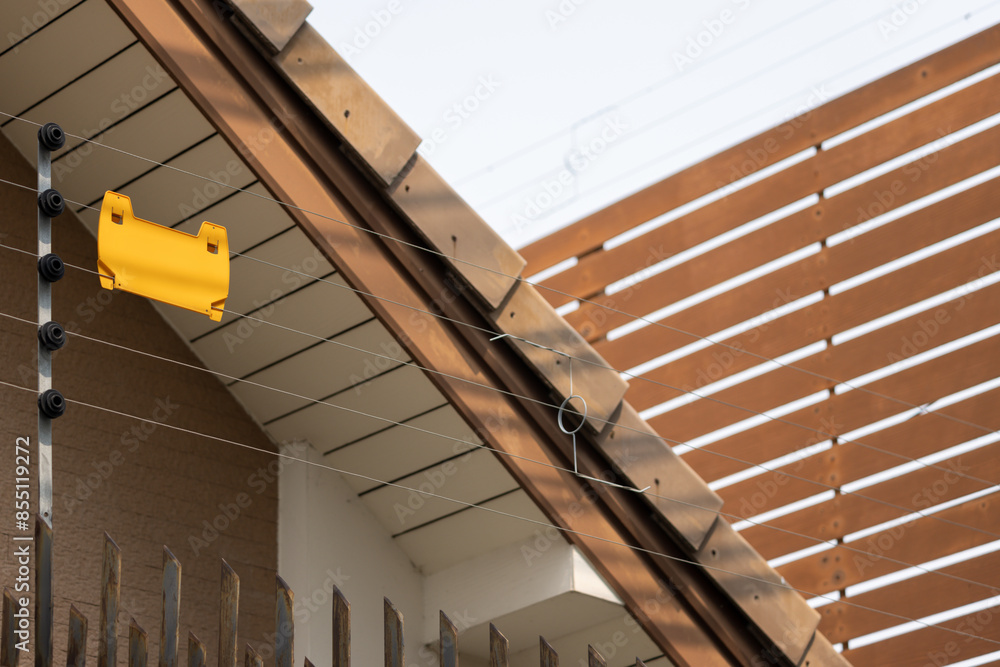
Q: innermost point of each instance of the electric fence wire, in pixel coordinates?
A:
(510, 515)
(762, 467)
(516, 456)
(387, 237)
(763, 414)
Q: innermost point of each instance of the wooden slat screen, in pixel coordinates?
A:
(895, 220)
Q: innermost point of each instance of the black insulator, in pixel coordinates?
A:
(51, 136)
(51, 267)
(51, 203)
(51, 403)
(52, 336)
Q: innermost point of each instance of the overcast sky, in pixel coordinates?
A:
(541, 111)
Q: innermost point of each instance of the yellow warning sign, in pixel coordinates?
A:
(161, 263)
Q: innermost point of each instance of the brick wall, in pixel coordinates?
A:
(147, 487)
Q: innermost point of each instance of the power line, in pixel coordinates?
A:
(511, 515)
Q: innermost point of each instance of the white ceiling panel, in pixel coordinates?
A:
(472, 477)
(396, 396)
(471, 533)
(397, 450)
(249, 218)
(91, 104)
(85, 174)
(39, 66)
(244, 346)
(324, 369)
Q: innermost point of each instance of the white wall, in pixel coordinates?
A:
(327, 537)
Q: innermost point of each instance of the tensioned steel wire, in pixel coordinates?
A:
(762, 467)
(515, 456)
(419, 247)
(416, 246)
(510, 515)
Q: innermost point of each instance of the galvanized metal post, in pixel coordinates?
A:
(50, 335)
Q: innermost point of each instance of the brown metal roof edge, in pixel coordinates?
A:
(687, 609)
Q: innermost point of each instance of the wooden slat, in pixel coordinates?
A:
(284, 624)
(934, 646)
(229, 605)
(841, 413)
(919, 541)
(107, 648)
(449, 642)
(778, 336)
(916, 437)
(196, 651)
(901, 87)
(923, 126)
(43, 593)
(76, 639)
(951, 164)
(8, 650)
(852, 359)
(393, 635)
(170, 613)
(252, 659)
(499, 648)
(950, 268)
(547, 655)
(917, 597)
(137, 652)
(341, 629)
(846, 514)
(595, 659)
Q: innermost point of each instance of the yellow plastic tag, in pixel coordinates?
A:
(161, 263)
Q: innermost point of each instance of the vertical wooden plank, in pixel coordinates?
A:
(548, 656)
(341, 629)
(393, 635)
(8, 649)
(107, 646)
(196, 651)
(639, 663)
(284, 625)
(170, 613)
(306, 662)
(252, 658)
(229, 603)
(595, 659)
(76, 640)
(43, 593)
(449, 642)
(498, 648)
(136, 645)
